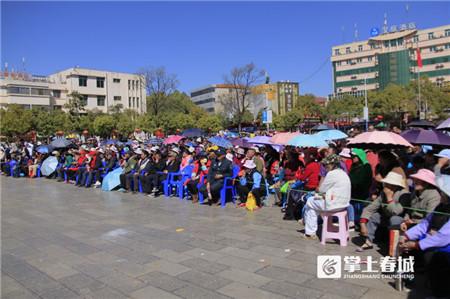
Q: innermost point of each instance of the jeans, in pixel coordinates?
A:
(376, 220)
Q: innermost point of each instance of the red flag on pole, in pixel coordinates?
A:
(419, 58)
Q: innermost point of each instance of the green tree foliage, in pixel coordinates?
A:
(103, 125)
(75, 103)
(210, 123)
(15, 120)
(289, 121)
(307, 105)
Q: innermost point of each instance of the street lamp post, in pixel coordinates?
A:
(366, 107)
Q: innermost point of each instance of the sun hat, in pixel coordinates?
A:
(255, 148)
(445, 153)
(361, 154)
(240, 151)
(100, 150)
(191, 149)
(443, 183)
(425, 175)
(175, 150)
(138, 151)
(331, 159)
(250, 164)
(395, 179)
(229, 156)
(345, 153)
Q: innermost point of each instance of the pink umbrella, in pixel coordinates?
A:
(283, 138)
(173, 139)
(378, 140)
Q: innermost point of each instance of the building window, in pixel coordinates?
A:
(40, 92)
(82, 81)
(369, 58)
(129, 84)
(386, 44)
(430, 35)
(116, 80)
(447, 32)
(400, 41)
(84, 100)
(415, 39)
(360, 48)
(132, 84)
(100, 82)
(137, 102)
(347, 50)
(56, 93)
(137, 84)
(100, 100)
(337, 52)
(447, 46)
(349, 62)
(393, 43)
(129, 100)
(433, 49)
(18, 90)
(117, 98)
(338, 63)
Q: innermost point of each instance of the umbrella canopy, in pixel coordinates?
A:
(445, 125)
(428, 137)
(112, 180)
(194, 132)
(49, 166)
(231, 134)
(60, 143)
(260, 140)
(378, 139)
(221, 142)
(331, 134)
(321, 127)
(283, 138)
(307, 140)
(173, 139)
(111, 141)
(44, 149)
(154, 141)
(421, 124)
(241, 142)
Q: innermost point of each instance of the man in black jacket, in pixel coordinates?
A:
(149, 177)
(219, 170)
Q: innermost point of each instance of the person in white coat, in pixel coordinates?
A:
(334, 194)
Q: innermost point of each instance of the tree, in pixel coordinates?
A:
(210, 123)
(104, 124)
(307, 105)
(15, 120)
(241, 81)
(75, 103)
(159, 85)
(288, 121)
(437, 99)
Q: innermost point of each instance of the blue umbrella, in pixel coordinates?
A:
(60, 143)
(321, 127)
(49, 166)
(112, 180)
(306, 140)
(44, 149)
(111, 141)
(154, 141)
(331, 134)
(221, 142)
(194, 132)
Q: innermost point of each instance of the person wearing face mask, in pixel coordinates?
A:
(200, 172)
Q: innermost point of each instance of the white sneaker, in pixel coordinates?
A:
(97, 184)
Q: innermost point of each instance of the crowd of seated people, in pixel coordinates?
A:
(380, 189)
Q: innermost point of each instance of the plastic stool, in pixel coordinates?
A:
(329, 231)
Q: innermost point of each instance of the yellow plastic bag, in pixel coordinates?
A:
(251, 202)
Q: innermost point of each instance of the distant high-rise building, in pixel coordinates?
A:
(391, 57)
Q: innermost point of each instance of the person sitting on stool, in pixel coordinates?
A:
(251, 180)
(220, 169)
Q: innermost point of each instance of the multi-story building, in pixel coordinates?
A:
(210, 97)
(101, 90)
(391, 57)
(278, 97)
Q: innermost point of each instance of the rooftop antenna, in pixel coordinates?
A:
(385, 24)
(23, 64)
(407, 12)
(356, 32)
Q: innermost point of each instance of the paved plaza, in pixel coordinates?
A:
(60, 241)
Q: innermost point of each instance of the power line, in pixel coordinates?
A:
(316, 71)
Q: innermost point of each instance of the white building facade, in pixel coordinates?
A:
(101, 90)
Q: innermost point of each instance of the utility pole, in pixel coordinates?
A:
(366, 107)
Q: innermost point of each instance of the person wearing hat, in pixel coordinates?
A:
(128, 164)
(150, 177)
(92, 168)
(239, 154)
(254, 154)
(187, 158)
(425, 198)
(68, 160)
(251, 181)
(335, 187)
(219, 170)
(170, 165)
(200, 171)
(360, 174)
(346, 157)
(386, 210)
(143, 160)
(430, 239)
(443, 164)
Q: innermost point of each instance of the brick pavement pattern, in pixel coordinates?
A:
(60, 241)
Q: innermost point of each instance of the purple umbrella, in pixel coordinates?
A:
(427, 137)
(445, 125)
(241, 142)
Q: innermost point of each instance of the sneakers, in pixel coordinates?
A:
(97, 184)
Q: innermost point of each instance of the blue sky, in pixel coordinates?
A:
(198, 41)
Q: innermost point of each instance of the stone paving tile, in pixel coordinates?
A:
(204, 280)
(204, 254)
(150, 292)
(242, 291)
(376, 294)
(59, 293)
(244, 277)
(194, 292)
(94, 270)
(204, 265)
(122, 282)
(105, 293)
(336, 287)
(81, 281)
(163, 281)
(167, 267)
(54, 270)
(240, 263)
(291, 290)
(20, 294)
(284, 274)
(171, 255)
